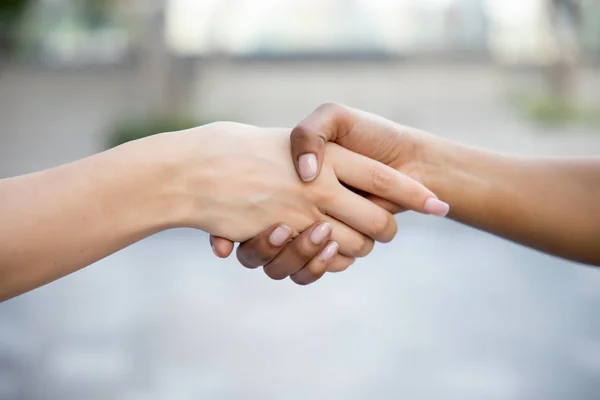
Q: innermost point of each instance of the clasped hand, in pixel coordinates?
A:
(256, 192)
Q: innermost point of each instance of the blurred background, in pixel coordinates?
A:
(443, 312)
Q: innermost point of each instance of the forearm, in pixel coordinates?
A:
(547, 204)
(57, 221)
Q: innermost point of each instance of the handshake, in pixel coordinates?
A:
(355, 170)
(300, 202)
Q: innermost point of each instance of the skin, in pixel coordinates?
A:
(228, 179)
(549, 204)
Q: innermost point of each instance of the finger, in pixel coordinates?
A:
(351, 242)
(317, 267)
(340, 263)
(308, 138)
(262, 248)
(221, 246)
(362, 215)
(386, 204)
(297, 253)
(379, 179)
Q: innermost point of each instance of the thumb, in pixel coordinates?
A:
(307, 151)
(327, 123)
(221, 246)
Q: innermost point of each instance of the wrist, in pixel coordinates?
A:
(432, 162)
(458, 175)
(163, 179)
(188, 160)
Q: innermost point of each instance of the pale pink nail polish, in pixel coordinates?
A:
(280, 235)
(320, 233)
(329, 251)
(307, 164)
(437, 207)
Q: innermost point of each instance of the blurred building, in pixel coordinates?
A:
(79, 32)
(326, 27)
(237, 59)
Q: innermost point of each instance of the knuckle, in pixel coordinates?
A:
(316, 270)
(300, 133)
(381, 180)
(243, 259)
(337, 112)
(251, 257)
(326, 196)
(359, 247)
(365, 248)
(275, 272)
(330, 107)
(378, 225)
(306, 250)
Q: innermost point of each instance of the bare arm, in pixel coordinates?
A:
(57, 221)
(549, 204)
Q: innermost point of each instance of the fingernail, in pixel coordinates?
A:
(280, 235)
(329, 251)
(307, 164)
(214, 249)
(320, 233)
(437, 207)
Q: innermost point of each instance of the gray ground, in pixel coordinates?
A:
(443, 312)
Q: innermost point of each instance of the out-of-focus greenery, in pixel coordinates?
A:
(97, 13)
(12, 8)
(550, 110)
(136, 128)
(11, 13)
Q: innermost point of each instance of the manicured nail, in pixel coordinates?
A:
(320, 233)
(437, 207)
(214, 249)
(329, 251)
(308, 167)
(280, 235)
